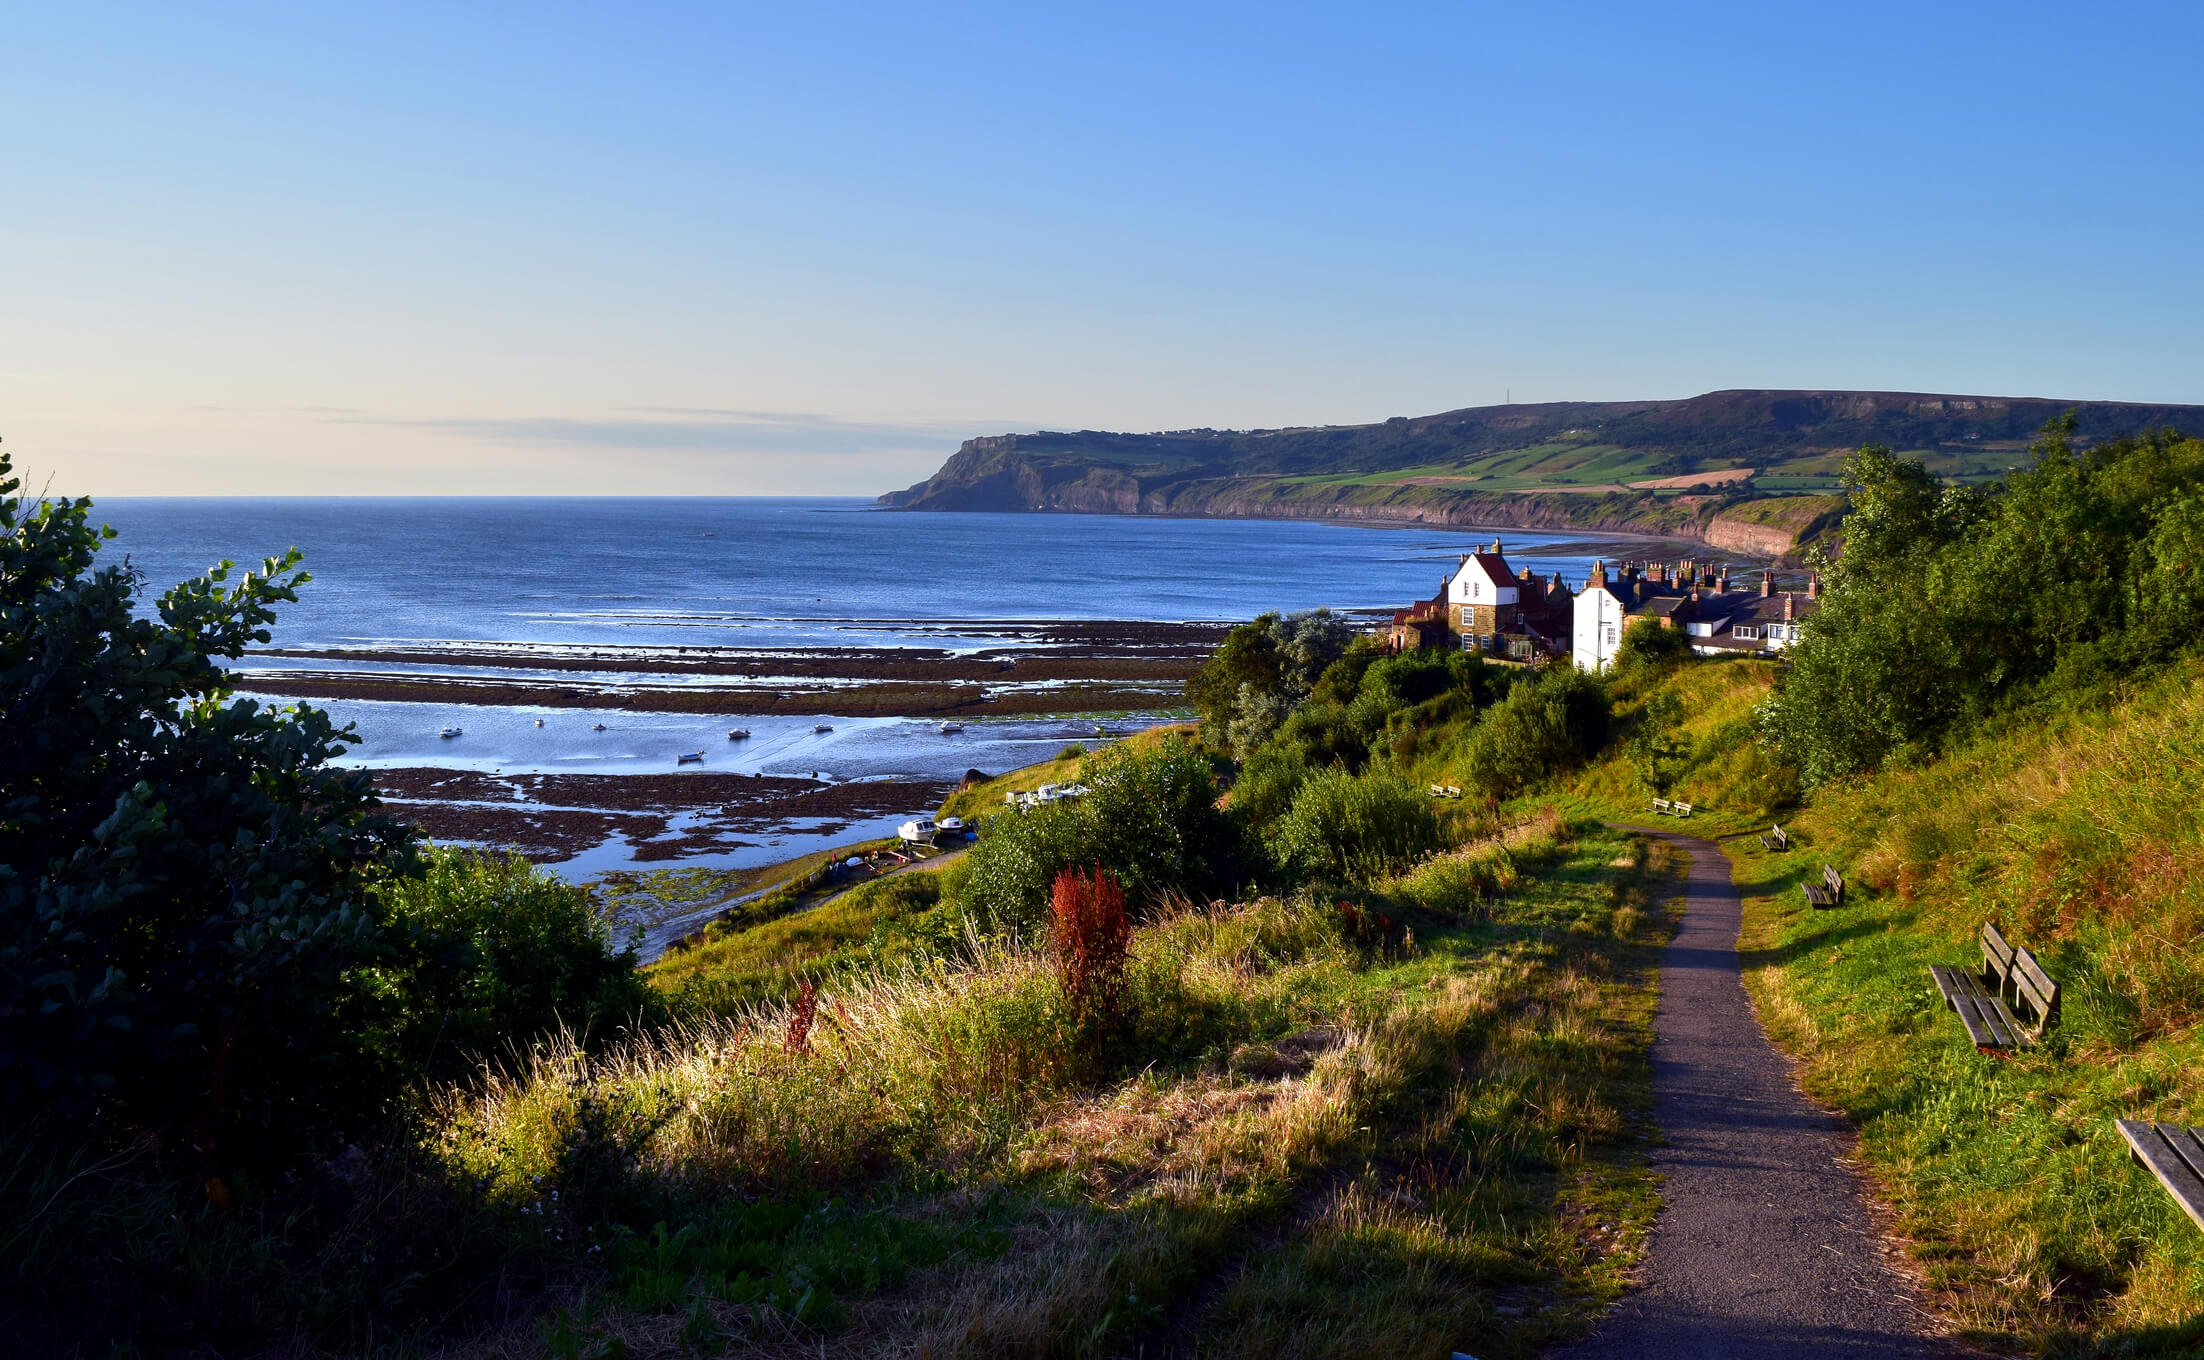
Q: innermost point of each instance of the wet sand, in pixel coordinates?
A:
(1062, 667)
(665, 818)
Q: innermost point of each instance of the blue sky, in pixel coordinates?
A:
(807, 249)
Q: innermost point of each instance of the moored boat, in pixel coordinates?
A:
(822, 727)
(949, 727)
(692, 758)
(447, 733)
(737, 733)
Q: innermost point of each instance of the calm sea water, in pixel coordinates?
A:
(774, 572)
(757, 573)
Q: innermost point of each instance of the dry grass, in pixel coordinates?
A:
(1299, 1142)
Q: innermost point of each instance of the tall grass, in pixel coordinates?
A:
(1046, 1185)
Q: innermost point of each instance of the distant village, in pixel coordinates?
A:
(1488, 606)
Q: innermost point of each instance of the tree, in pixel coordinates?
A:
(182, 873)
(1649, 645)
(1657, 748)
(1260, 671)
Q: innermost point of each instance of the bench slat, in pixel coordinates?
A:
(2153, 1145)
(1996, 953)
(1974, 1007)
(2036, 985)
(2017, 1035)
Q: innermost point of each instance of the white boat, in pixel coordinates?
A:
(822, 727)
(737, 733)
(948, 727)
(1048, 793)
(917, 831)
(953, 825)
(539, 722)
(447, 733)
(692, 758)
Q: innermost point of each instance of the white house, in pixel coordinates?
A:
(1484, 598)
(1600, 614)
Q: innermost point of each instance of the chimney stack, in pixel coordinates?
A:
(1767, 583)
(1722, 582)
(1790, 606)
(1599, 573)
(1813, 587)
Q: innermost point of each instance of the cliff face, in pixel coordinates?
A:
(1675, 468)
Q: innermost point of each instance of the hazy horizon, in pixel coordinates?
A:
(710, 251)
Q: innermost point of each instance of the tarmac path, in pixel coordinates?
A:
(1764, 1245)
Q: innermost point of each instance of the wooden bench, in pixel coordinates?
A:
(2009, 1004)
(1662, 807)
(2175, 1155)
(1827, 893)
(1776, 840)
(1446, 791)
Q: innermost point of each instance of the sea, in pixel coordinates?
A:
(557, 574)
(752, 572)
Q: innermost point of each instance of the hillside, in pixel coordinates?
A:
(2075, 829)
(1733, 469)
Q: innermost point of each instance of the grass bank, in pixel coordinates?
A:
(2078, 832)
(1405, 1124)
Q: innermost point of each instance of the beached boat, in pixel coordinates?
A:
(918, 831)
(952, 825)
(447, 733)
(737, 733)
(822, 727)
(949, 727)
(692, 758)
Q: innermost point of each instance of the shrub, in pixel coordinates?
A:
(1088, 940)
(1542, 727)
(182, 874)
(1150, 818)
(1268, 782)
(497, 952)
(1354, 828)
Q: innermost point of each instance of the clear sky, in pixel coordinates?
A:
(807, 248)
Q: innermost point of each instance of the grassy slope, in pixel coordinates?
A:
(1311, 1142)
(2080, 836)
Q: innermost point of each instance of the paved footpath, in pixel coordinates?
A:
(1764, 1246)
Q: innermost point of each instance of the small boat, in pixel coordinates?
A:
(949, 727)
(539, 722)
(737, 733)
(822, 727)
(692, 758)
(953, 825)
(1100, 730)
(596, 727)
(447, 733)
(917, 831)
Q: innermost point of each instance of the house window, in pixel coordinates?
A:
(1747, 632)
(1610, 635)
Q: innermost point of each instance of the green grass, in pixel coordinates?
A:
(2081, 832)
